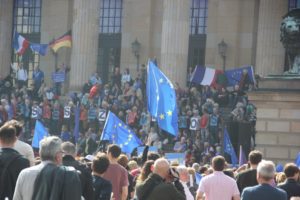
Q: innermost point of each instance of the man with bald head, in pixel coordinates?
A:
(155, 187)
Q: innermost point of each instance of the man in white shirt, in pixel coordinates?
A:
(217, 185)
(184, 179)
(22, 76)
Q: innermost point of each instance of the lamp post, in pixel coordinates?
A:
(222, 47)
(136, 47)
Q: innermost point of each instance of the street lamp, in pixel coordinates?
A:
(136, 47)
(222, 47)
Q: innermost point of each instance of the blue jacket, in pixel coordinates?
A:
(263, 192)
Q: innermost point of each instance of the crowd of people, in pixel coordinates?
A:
(59, 174)
(66, 167)
(200, 117)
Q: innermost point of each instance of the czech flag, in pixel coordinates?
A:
(64, 41)
(20, 43)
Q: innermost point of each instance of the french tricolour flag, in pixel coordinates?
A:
(20, 43)
(203, 75)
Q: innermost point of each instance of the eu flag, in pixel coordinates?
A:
(228, 148)
(39, 133)
(297, 160)
(39, 48)
(234, 76)
(117, 132)
(198, 177)
(76, 127)
(161, 99)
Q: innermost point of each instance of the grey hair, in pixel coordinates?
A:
(182, 169)
(196, 167)
(266, 169)
(49, 147)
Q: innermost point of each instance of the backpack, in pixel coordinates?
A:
(6, 183)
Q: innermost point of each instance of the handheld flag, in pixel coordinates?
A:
(39, 48)
(39, 133)
(228, 148)
(64, 41)
(203, 75)
(242, 157)
(297, 161)
(198, 177)
(235, 76)
(117, 132)
(20, 44)
(76, 127)
(161, 99)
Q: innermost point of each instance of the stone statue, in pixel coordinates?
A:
(290, 38)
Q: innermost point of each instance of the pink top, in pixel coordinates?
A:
(118, 176)
(218, 186)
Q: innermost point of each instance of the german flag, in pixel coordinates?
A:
(64, 41)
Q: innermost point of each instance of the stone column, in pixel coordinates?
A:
(84, 41)
(6, 24)
(175, 40)
(270, 52)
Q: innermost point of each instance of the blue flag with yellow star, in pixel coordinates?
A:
(161, 99)
(234, 76)
(228, 148)
(117, 132)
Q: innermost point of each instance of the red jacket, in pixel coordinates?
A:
(93, 92)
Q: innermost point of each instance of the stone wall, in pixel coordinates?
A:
(142, 20)
(278, 124)
(56, 21)
(235, 21)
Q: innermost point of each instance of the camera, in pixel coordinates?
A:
(173, 174)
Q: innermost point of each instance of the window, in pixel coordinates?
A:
(109, 47)
(27, 16)
(110, 16)
(198, 16)
(294, 4)
(27, 22)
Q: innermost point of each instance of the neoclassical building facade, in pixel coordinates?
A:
(178, 33)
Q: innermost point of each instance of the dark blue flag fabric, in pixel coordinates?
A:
(228, 148)
(234, 76)
(198, 74)
(117, 132)
(39, 48)
(76, 127)
(297, 161)
(161, 99)
(39, 133)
